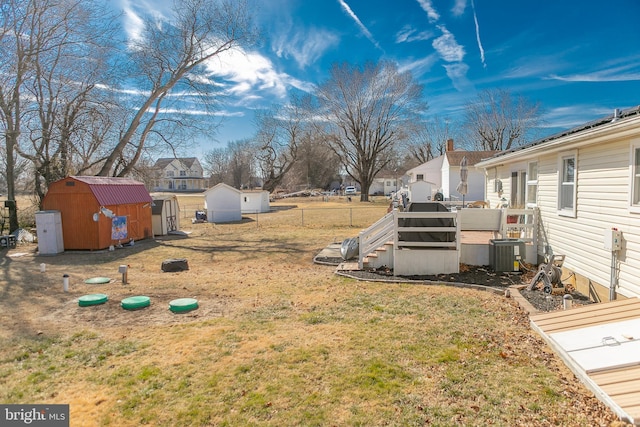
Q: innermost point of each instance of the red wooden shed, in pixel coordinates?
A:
(98, 212)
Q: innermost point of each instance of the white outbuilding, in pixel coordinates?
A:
(255, 201)
(165, 214)
(223, 203)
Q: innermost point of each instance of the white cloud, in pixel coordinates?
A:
(427, 6)
(305, 46)
(250, 74)
(572, 116)
(193, 112)
(132, 24)
(447, 47)
(616, 74)
(420, 66)
(409, 34)
(457, 73)
(459, 7)
(359, 23)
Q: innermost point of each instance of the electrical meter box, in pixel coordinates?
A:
(612, 239)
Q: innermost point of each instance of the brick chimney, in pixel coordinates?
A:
(450, 144)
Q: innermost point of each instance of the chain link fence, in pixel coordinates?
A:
(311, 217)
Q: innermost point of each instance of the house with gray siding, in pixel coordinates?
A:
(585, 184)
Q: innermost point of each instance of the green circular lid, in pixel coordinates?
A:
(97, 280)
(183, 304)
(133, 303)
(93, 299)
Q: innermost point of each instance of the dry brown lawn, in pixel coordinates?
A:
(277, 340)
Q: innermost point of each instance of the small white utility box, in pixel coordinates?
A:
(612, 239)
(49, 231)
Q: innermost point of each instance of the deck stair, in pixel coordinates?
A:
(381, 256)
(389, 243)
(374, 243)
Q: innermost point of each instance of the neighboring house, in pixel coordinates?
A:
(179, 174)
(385, 184)
(223, 203)
(443, 173)
(255, 201)
(585, 182)
(98, 212)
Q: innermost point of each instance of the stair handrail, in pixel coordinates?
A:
(375, 236)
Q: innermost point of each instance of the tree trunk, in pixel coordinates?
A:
(11, 140)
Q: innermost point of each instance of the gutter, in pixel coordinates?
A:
(620, 126)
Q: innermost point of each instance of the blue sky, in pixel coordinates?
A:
(580, 60)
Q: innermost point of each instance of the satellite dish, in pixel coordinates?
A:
(96, 217)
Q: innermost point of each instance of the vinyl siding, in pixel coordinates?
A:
(602, 181)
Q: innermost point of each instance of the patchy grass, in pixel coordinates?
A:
(277, 340)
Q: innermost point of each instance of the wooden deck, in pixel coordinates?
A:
(600, 344)
(476, 237)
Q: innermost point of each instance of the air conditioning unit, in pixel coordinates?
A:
(505, 255)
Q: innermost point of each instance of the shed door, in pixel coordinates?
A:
(171, 216)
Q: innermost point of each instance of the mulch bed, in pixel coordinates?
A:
(479, 276)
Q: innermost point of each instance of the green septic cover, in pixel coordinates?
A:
(183, 304)
(133, 303)
(97, 280)
(93, 299)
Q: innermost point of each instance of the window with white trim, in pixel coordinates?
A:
(567, 184)
(635, 177)
(532, 184)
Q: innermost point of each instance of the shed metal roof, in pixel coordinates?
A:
(116, 191)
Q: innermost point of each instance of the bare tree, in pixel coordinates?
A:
(242, 158)
(65, 102)
(174, 54)
(430, 138)
(280, 132)
(15, 57)
(44, 50)
(316, 165)
(368, 111)
(498, 121)
(216, 164)
(233, 165)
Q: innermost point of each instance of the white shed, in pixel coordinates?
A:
(223, 203)
(165, 214)
(255, 201)
(420, 191)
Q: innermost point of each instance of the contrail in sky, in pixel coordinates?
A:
(364, 30)
(475, 18)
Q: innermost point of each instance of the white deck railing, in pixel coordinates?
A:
(405, 231)
(509, 223)
(520, 224)
(375, 236)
